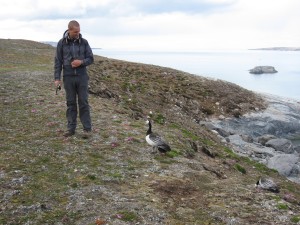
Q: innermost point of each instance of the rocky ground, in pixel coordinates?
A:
(114, 177)
(270, 136)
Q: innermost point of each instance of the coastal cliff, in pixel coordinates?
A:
(114, 177)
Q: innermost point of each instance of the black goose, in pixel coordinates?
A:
(155, 140)
(267, 184)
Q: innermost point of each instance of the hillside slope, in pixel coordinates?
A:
(114, 177)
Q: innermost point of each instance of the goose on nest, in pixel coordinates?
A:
(155, 140)
(267, 184)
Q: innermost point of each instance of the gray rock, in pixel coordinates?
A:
(263, 69)
(222, 132)
(296, 170)
(281, 144)
(265, 138)
(245, 148)
(283, 163)
(263, 152)
(247, 138)
(236, 140)
(297, 149)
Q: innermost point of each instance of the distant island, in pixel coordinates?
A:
(279, 49)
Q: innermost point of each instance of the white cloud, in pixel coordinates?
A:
(161, 25)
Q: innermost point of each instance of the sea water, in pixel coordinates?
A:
(231, 66)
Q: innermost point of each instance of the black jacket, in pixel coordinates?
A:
(66, 51)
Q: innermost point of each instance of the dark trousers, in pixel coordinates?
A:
(76, 87)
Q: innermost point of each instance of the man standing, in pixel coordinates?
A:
(73, 55)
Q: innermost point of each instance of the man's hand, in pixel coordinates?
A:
(75, 63)
(57, 83)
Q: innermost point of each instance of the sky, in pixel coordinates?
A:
(157, 25)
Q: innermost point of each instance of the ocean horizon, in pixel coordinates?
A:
(230, 66)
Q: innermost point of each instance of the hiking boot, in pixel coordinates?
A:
(69, 133)
(86, 134)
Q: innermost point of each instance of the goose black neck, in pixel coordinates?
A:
(149, 131)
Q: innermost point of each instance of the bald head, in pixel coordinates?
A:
(73, 23)
(74, 29)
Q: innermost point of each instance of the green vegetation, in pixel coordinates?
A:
(159, 118)
(282, 206)
(230, 153)
(173, 153)
(239, 168)
(295, 219)
(259, 166)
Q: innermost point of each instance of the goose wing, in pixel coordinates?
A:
(158, 140)
(164, 148)
(269, 184)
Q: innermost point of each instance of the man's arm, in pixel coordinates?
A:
(58, 62)
(89, 57)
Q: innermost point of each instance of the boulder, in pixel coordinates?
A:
(222, 132)
(283, 163)
(263, 152)
(296, 170)
(281, 144)
(247, 138)
(263, 69)
(265, 138)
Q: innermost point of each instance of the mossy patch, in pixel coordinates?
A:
(240, 168)
(282, 206)
(295, 219)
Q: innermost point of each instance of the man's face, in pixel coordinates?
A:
(74, 32)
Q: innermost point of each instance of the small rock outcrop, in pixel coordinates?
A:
(263, 69)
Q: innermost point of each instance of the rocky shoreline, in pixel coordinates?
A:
(270, 136)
